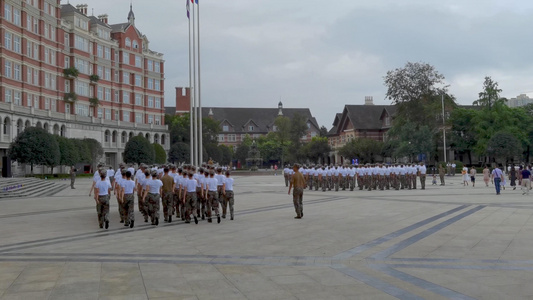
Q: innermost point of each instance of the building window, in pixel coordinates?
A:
(251, 128)
(150, 119)
(125, 116)
(126, 58)
(135, 45)
(150, 101)
(108, 114)
(128, 42)
(126, 78)
(232, 138)
(157, 102)
(158, 122)
(138, 61)
(125, 97)
(139, 118)
(225, 128)
(220, 138)
(138, 80)
(138, 99)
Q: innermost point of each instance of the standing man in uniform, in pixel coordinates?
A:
(127, 196)
(441, 174)
(422, 170)
(298, 183)
(72, 176)
(228, 194)
(153, 191)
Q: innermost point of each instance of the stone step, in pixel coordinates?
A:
(33, 188)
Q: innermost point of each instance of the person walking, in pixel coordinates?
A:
(497, 176)
(512, 177)
(72, 176)
(127, 197)
(486, 175)
(526, 181)
(464, 173)
(473, 172)
(441, 174)
(422, 170)
(102, 189)
(228, 195)
(298, 183)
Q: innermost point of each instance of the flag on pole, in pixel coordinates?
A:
(188, 14)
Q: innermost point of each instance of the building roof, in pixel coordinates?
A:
(95, 20)
(170, 110)
(262, 118)
(68, 8)
(366, 116)
(336, 121)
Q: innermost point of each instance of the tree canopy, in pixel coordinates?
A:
(160, 154)
(139, 150)
(35, 146)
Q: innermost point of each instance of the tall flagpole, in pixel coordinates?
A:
(200, 118)
(197, 151)
(191, 103)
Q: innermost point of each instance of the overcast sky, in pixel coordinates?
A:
(325, 54)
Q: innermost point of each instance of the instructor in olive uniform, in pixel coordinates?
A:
(298, 183)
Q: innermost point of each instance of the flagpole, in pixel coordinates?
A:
(197, 151)
(200, 118)
(191, 103)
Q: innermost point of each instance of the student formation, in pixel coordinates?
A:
(186, 192)
(366, 177)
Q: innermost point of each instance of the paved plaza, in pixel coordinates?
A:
(445, 242)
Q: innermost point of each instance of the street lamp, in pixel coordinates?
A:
(443, 128)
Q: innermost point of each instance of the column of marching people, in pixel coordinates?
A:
(363, 177)
(185, 192)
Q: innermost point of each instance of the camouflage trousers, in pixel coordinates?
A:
(212, 203)
(220, 195)
(190, 204)
(297, 199)
(152, 206)
(352, 183)
(315, 182)
(141, 204)
(345, 182)
(360, 182)
(102, 209)
(286, 179)
(200, 202)
(127, 207)
(423, 181)
(177, 203)
(168, 204)
(120, 208)
(310, 182)
(228, 199)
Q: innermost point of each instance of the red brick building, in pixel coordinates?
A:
(118, 93)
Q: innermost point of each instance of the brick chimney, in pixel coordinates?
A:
(369, 100)
(103, 18)
(183, 100)
(82, 8)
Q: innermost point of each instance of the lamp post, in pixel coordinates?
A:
(443, 128)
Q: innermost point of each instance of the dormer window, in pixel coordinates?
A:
(128, 42)
(387, 121)
(225, 128)
(251, 128)
(135, 45)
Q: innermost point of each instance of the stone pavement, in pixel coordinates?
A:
(450, 242)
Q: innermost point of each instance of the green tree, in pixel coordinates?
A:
(323, 131)
(463, 137)
(283, 127)
(139, 150)
(69, 151)
(227, 154)
(490, 94)
(179, 152)
(413, 82)
(297, 130)
(35, 146)
(160, 154)
(213, 152)
(83, 153)
(242, 150)
(365, 149)
(95, 151)
(317, 149)
(504, 146)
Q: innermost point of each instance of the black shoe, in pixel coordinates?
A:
(145, 220)
(302, 215)
(195, 220)
(187, 221)
(209, 220)
(101, 226)
(224, 216)
(218, 218)
(106, 224)
(203, 217)
(156, 221)
(170, 219)
(126, 224)
(297, 217)
(131, 224)
(231, 218)
(121, 221)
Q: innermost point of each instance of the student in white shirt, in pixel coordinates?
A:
(102, 188)
(228, 196)
(152, 198)
(210, 186)
(190, 197)
(127, 196)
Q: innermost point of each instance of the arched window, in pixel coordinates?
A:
(63, 131)
(135, 44)
(124, 137)
(163, 138)
(20, 126)
(131, 135)
(7, 126)
(46, 127)
(156, 138)
(56, 129)
(148, 137)
(128, 42)
(39, 125)
(107, 136)
(27, 124)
